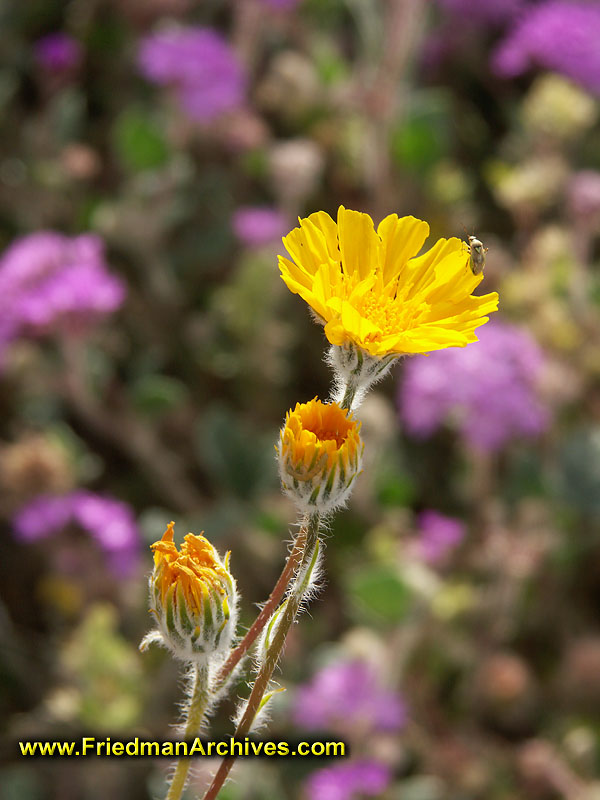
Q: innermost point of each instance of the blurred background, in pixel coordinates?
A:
(153, 152)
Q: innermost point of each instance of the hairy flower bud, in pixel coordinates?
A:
(320, 454)
(193, 597)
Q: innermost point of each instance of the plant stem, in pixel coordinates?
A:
(367, 371)
(195, 716)
(349, 393)
(272, 656)
(266, 612)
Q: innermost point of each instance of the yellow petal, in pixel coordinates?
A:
(401, 239)
(328, 227)
(313, 300)
(420, 272)
(307, 247)
(360, 246)
(297, 274)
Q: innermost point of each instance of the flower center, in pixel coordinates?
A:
(327, 423)
(324, 435)
(387, 314)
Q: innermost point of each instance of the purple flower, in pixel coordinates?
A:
(48, 281)
(348, 693)
(58, 52)
(347, 781)
(461, 21)
(258, 225)
(488, 390)
(110, 522)
(438, 536)
(201, 66)
(559, 35)
(44, 516)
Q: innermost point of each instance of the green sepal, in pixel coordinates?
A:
(170, 609)
(187, 625)
(267, 697)
(312, 500)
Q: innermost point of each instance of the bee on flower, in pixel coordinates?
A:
(477, 253)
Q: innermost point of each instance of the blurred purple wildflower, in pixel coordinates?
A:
(559, 35)
(348, 781)
(348, 693)
(49, 280)
(487, 389)
(200, 64)
(438, 536)
(110, 522)
(57, 52)
(460, 22)
(43, 517)
(258, 225)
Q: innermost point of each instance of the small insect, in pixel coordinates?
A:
(477, 252)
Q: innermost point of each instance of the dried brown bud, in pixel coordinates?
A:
(34, 465)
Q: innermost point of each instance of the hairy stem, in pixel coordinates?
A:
(267, 610)
(195, 716)
(349, 392)
(273, 653)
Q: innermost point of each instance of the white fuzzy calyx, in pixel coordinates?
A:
(356, 371)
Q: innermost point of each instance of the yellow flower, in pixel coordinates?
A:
(370, 289)
(192, 596)
(194, 569)
(320, 453)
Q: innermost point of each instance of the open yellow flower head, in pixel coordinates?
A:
(371, 289)
(320, 454)
(193, 598)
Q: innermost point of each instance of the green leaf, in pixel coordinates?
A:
(138, 141)
(237, 457)
(378, 593)
(579, 477)
(421, 138)
(154, 395)
(394, 489)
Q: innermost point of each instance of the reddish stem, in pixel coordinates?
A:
(270, 660)
(267, 610)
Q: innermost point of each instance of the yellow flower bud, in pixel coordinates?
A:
(320, 454)
(193, 597)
